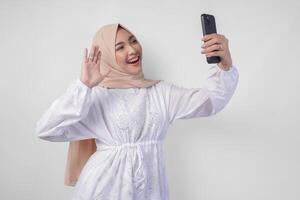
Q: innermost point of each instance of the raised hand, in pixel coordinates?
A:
(90, 68)
(217, 45)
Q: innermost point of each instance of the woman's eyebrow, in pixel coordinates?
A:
(129, 38)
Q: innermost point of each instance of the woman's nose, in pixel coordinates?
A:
(131, 49)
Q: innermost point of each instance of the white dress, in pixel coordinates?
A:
(130, 126)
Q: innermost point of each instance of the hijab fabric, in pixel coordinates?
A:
(80, 151)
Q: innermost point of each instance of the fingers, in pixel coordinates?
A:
(213, 38)
(212, 48)
(214, 45)
(92, 52)
(208, 37)
(215, 53)
(95, 54)
(98, 57)
(210, 42)
(212, 35)
(85, 55)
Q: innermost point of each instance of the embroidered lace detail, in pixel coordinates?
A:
(127, 117)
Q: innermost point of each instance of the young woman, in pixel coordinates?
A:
(116, 120)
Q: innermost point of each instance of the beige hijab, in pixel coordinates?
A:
(80, 151)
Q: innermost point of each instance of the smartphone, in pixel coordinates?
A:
(209, 26)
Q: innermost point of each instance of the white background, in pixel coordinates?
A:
(250, 150)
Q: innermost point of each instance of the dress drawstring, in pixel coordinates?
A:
(140, 172)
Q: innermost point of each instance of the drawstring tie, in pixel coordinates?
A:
(140, 172)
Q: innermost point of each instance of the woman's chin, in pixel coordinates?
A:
(134, 70)
(134, 67)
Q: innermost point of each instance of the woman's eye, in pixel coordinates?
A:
(121, 47)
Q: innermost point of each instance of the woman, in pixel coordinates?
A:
(127, 116)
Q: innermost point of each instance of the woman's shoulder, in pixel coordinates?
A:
(163, 83)
(163, 87)
(166, 85)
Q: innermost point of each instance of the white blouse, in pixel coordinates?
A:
(129, 126)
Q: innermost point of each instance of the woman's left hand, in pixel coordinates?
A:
(219, 43)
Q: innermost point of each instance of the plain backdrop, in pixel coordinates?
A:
(250, 150)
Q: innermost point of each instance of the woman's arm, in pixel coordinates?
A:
(73, 115)
(63, 120)
(211, 98)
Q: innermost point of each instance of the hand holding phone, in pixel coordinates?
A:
(209, 27)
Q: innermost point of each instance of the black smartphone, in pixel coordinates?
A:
(209, 26)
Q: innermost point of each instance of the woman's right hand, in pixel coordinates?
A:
(90, 68)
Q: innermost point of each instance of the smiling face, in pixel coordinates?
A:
(127, 51)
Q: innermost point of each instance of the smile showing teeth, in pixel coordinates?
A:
(133, 61)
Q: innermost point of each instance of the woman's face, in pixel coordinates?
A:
(127, 50)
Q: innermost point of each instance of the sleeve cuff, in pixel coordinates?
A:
(232, 68)
(81, 84)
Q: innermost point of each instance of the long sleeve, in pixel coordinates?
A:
(64, 119)
(204, 101)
